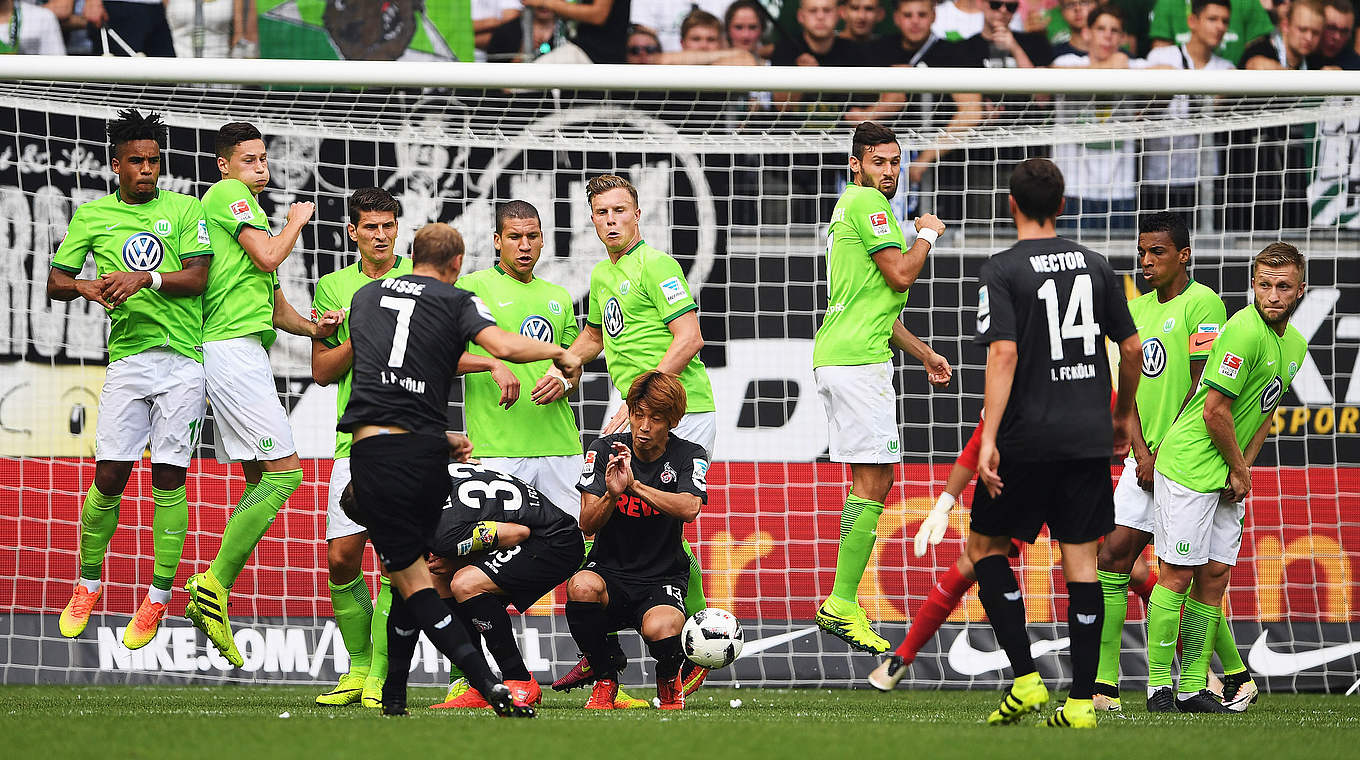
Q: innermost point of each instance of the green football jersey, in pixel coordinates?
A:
(632, 302)
(1247, 22)
(1253, 366)
(240, 297)
(540, 310)
(156, 236)
(1174, 333)
(860, 306)
(335, 291)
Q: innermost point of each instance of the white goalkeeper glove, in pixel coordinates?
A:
(933, 527)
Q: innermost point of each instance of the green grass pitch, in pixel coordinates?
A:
(247, 723)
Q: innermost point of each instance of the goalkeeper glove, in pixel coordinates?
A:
(933, 527)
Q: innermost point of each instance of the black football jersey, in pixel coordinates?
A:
(638, 540)
(1058, 301)
(479, 494)
(408, 333)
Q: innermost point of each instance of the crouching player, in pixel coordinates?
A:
(637, 490)
(500, 541)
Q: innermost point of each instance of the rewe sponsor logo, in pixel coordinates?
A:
(1268, 662)
(965, 659)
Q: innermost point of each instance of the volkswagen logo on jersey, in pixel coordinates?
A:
(1154, 357)
(1271, 395)
(538, 328)
(143, 252)
(613, 318)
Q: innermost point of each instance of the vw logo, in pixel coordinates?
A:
(538, 328)
(143, 252)
(1271, 395)
(613, 318)
(1154, 357)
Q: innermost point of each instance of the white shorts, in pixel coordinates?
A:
(248, 418)
(155, 396)
(1133, 506)
(1194, 527)
(700, 428)
(861, 409)
(338, 524)
(554, 477)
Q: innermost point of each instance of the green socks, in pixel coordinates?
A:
(354, 617)
(1114, 588)
(1199, 627)
(98, 521)
(1164, 628)
(694, 593)
(168, 527)
(859, 525)
(1226, 647)
(249, 520)
(377, 669)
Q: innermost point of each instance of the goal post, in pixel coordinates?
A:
(740, 192)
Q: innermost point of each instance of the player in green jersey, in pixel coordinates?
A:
(151, 255)
(241, 307)
(643, 317)
(869, 269)
(1178, 321)
(1203, 474)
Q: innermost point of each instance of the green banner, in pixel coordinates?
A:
(366, 30)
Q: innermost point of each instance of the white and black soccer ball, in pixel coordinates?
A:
(711, 638)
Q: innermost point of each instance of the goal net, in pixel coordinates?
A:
(739, 188)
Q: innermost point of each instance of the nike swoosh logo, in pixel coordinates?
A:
(965, 659)
(1268, 662)
(1198, 343)
(111, 226)
(769, 642)
(169, 532)
(504, 303)
(1270, 364)
(1013, 596)
(1171, 643)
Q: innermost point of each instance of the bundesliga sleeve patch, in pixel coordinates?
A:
(879, 222)
(588, 469)
(701, 474)
(673, 290)
(1230, 366)
(203, 238)
(482, 310)
(240, 210)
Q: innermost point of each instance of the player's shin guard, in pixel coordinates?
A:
(486, 613)
(668, 657)
(354, 617)
(448, 637)
(1226, 647)
(1164, 630)
(249, 520)
(1001, 598)
(1114, 589)
(589, 627)
(694, 592)
(1199, 627)
(1084, 613)
(168, 527)
(939, 605)
(98, 521)
(859, 525)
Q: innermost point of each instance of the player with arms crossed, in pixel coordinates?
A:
(501, 540)
(869, 270)
(1203, 474)
(407, 335)
(152, 255)
(1044, 307)
(638, 489)
(1177, 321)
(643, 317)
(241, 307)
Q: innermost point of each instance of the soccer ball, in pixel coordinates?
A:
(711, 638)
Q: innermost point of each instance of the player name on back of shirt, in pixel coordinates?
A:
(1058, 262)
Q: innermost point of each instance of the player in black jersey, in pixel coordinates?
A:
(1045, 307)
(499, 540)
(407, 334)
(638, 489)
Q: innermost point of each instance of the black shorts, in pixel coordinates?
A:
(631, 598)
(530, 570)
(1073, 497)
(400, 485)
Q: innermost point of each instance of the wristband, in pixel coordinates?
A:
(566, 386)
(929, 235)
(155, 280)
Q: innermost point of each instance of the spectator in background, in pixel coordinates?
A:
(914, 44)
(70, 14)
(745, 25)
(1334, 49)
(214, 34)
(487, 17)
(997, 45)
(644, 47)
(701, 31)
(957, 20)
(37, 30)
(507, 40)
(1066, 23)
(818, 45)
(1289, 48)
(1169, 25)
(858, 19)
(701, 44)
(665, 17)
(1173, 166)
(601, 30)
(141, 24)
